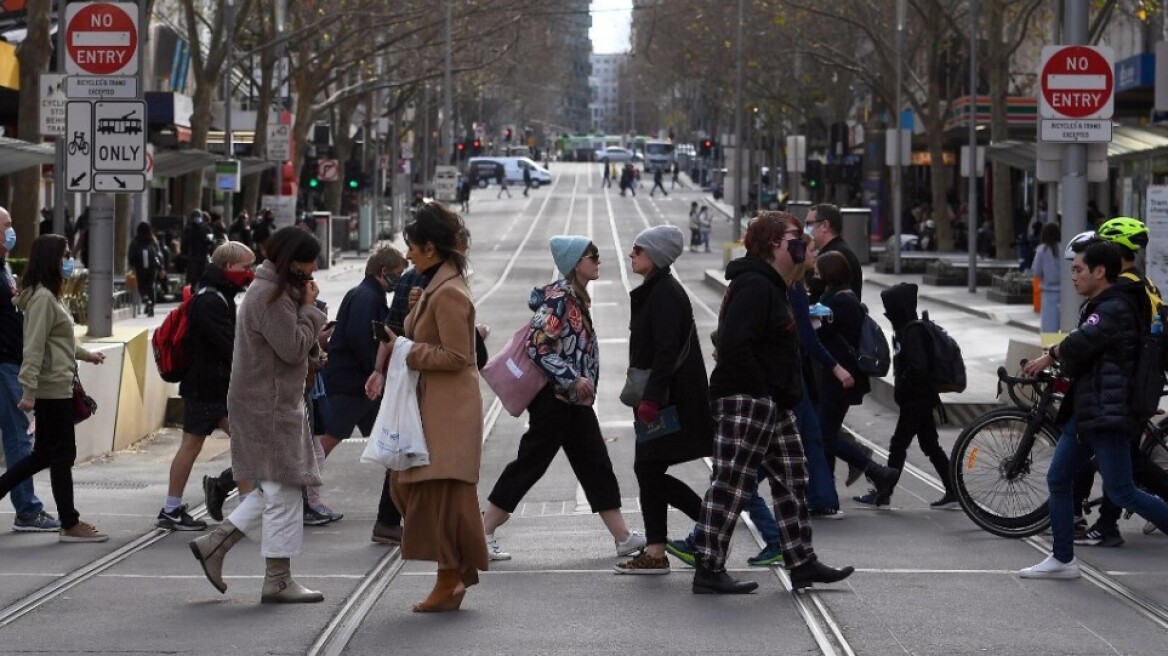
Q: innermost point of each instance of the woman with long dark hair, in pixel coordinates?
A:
(276, 338)
(145, 258)
(440, 500)
(46, 375)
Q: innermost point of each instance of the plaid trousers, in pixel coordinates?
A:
(753, 433)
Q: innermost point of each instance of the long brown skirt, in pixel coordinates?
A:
(443, 524)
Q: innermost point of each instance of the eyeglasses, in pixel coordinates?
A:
(812, 224)
(637, 250)
(595, 257)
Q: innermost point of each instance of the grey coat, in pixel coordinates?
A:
(274, 343)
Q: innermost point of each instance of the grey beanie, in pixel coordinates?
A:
(663, 243)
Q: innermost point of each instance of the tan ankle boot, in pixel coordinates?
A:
(442, 598)
(212, 547)
(279, 588)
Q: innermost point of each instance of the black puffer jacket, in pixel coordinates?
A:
(758, 343)
(1100, 358)
(210, 339)
(662, 321)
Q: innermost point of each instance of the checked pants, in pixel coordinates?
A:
(753, 433)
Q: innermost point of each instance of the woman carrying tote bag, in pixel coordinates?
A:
(663, 340)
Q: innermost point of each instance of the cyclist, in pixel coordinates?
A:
(1100, 357)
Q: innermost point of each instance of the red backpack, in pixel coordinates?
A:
(170, 339)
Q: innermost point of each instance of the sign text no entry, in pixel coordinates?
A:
(1077, 82)
(101, 38)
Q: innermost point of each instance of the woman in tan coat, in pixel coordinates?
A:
(440, 501)
(275, 341)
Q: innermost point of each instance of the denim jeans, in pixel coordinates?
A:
(17, 441)
(821, 492)
(1113, 457)
(760, 513)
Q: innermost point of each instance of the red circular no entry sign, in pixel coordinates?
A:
(1077, 82)
(101, 38)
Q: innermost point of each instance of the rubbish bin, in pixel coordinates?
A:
(799, 208)
(857, 222)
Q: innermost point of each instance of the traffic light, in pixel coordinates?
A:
(461, 148)
(507, 135)
(705, 147)
(476, 147)
(354, 176)
(813, 175)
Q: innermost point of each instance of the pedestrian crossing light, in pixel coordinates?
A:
(707, 148)
(313, 182)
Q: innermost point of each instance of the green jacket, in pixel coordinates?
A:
(51, 350)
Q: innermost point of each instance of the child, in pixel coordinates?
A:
(914, 390)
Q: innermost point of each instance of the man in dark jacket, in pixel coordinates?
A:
(753, 388)
(1100, 357)
(825, 223)
(260, 233)
(210, 347)
(196, 246)
(913, 389)
(526, 180)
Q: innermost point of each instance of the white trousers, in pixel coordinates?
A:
(273, 514)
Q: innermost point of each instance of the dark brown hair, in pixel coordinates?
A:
(831, 214)
(44, 263)
(287, 245)
(766, 229)
(436, 224)
(835, 271)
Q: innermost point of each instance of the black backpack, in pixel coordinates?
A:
(1148, 379)
(946, 366)
(872, 355)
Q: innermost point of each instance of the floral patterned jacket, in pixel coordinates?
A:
(562, 341)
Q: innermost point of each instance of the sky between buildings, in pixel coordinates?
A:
(611, 20)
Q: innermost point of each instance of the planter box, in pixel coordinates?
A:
(942, 274)
(1011, 290)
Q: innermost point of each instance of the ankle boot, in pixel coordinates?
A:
(442, 598)
(707, 581)
(883, 478)
(816, 572)
(210, 549)
(279, 588)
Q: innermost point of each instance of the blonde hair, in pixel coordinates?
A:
(231, 252)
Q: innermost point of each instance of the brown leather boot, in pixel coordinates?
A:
(210, 549)
(442, 598)
(279, 588)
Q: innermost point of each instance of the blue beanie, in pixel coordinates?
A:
(567, 251)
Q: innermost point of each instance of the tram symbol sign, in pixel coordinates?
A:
(101, 38)
(1078, 82)
(119, 137)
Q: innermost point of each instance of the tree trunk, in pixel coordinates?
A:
(251, 189)
(998, 62)
(192, 196)
(938, 172)
(33, 56)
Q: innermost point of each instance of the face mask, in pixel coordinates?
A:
(798, 250)
(808, 229)
(240, 279)
(67, 267)
(10, 239)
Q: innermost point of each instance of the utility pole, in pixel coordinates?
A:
(1074, 178)
(281, 14)
(228, 138)
(447, 129)
(898, 170)
(59, 222)
(739, 81)
(971, 223)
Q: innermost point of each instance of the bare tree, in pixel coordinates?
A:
(33, 54)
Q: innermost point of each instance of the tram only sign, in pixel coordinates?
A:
(101, 38)
(1077, 82)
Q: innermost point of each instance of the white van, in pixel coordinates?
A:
(486, 170)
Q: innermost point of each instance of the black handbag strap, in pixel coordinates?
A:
(685, 349)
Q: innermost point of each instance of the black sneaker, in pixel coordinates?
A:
(874, 499)
(826, 513)
(314, 517)
(214, 496)
(1096, 537)
(947, 502)
(179, 520)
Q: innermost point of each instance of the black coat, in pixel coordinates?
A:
(210, 339)
(353, 346)
(758, 341)
(841, 336)
(1100, 357)
(838, 245)
(662, 320)
(912, 381)
(153, 256)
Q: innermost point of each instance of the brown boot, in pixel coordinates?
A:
(210, 549)
(279, 588)
(443, 598)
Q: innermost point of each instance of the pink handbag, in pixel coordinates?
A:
(513, 376)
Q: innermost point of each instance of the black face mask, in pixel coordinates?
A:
(798, 250)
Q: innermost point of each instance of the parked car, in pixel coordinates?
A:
(617, 154)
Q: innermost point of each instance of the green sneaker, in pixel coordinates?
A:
(681, 550)
(771, 555)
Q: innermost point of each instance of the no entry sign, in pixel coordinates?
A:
(1076, 82)
(101, 38)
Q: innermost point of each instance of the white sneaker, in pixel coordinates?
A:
(493, 549)
(632, 544)
(1052, 568)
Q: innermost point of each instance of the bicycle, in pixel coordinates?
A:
(998, 465)
(79, 144)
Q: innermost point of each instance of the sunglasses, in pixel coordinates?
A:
(637, 250)
(595, 257)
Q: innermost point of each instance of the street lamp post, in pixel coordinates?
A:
(738, 121)
(898, 170)
(228, 138)
(971, 223)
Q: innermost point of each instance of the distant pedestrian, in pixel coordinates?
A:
(606, 176)
(695, 227)
(14, 423)
(502, 177)
(464, 188)
(676, 176)
(263, 229)
(1048, 270)
(704, 227)
(626, 180)
(47, 371)
(196, 246)
(144, 256)
(271, 444)
(526, 180)
(563, 343)
(241, 230)
(658, 176)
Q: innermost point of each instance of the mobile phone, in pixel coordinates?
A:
(330, 324)
(379, 332)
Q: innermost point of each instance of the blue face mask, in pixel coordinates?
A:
(10, 239)
(67, 266)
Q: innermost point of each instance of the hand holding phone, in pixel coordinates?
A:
(381, 332)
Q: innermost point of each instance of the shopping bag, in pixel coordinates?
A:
(513, 375)
(398, 441)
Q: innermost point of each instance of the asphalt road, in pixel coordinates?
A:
(928, 582)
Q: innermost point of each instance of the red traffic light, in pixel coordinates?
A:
(461, 146)
(478, 144)
(707, 143)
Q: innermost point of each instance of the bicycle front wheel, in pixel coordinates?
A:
(1009, 507)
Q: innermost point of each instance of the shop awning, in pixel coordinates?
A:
(1127, 143)
(173, 163)
(254, 165)
(17, 155)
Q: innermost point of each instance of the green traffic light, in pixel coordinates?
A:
(352, 184)
(813, 183)
(313, 183)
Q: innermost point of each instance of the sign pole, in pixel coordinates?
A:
(1074, 176)
(972, 204)
(59, 222)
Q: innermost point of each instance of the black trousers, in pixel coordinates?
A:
(659, 490)
(387, 513)
(916, 420)
(146, 278)
(55, 449)
(555, 425)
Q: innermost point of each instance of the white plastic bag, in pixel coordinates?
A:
(398, 441)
